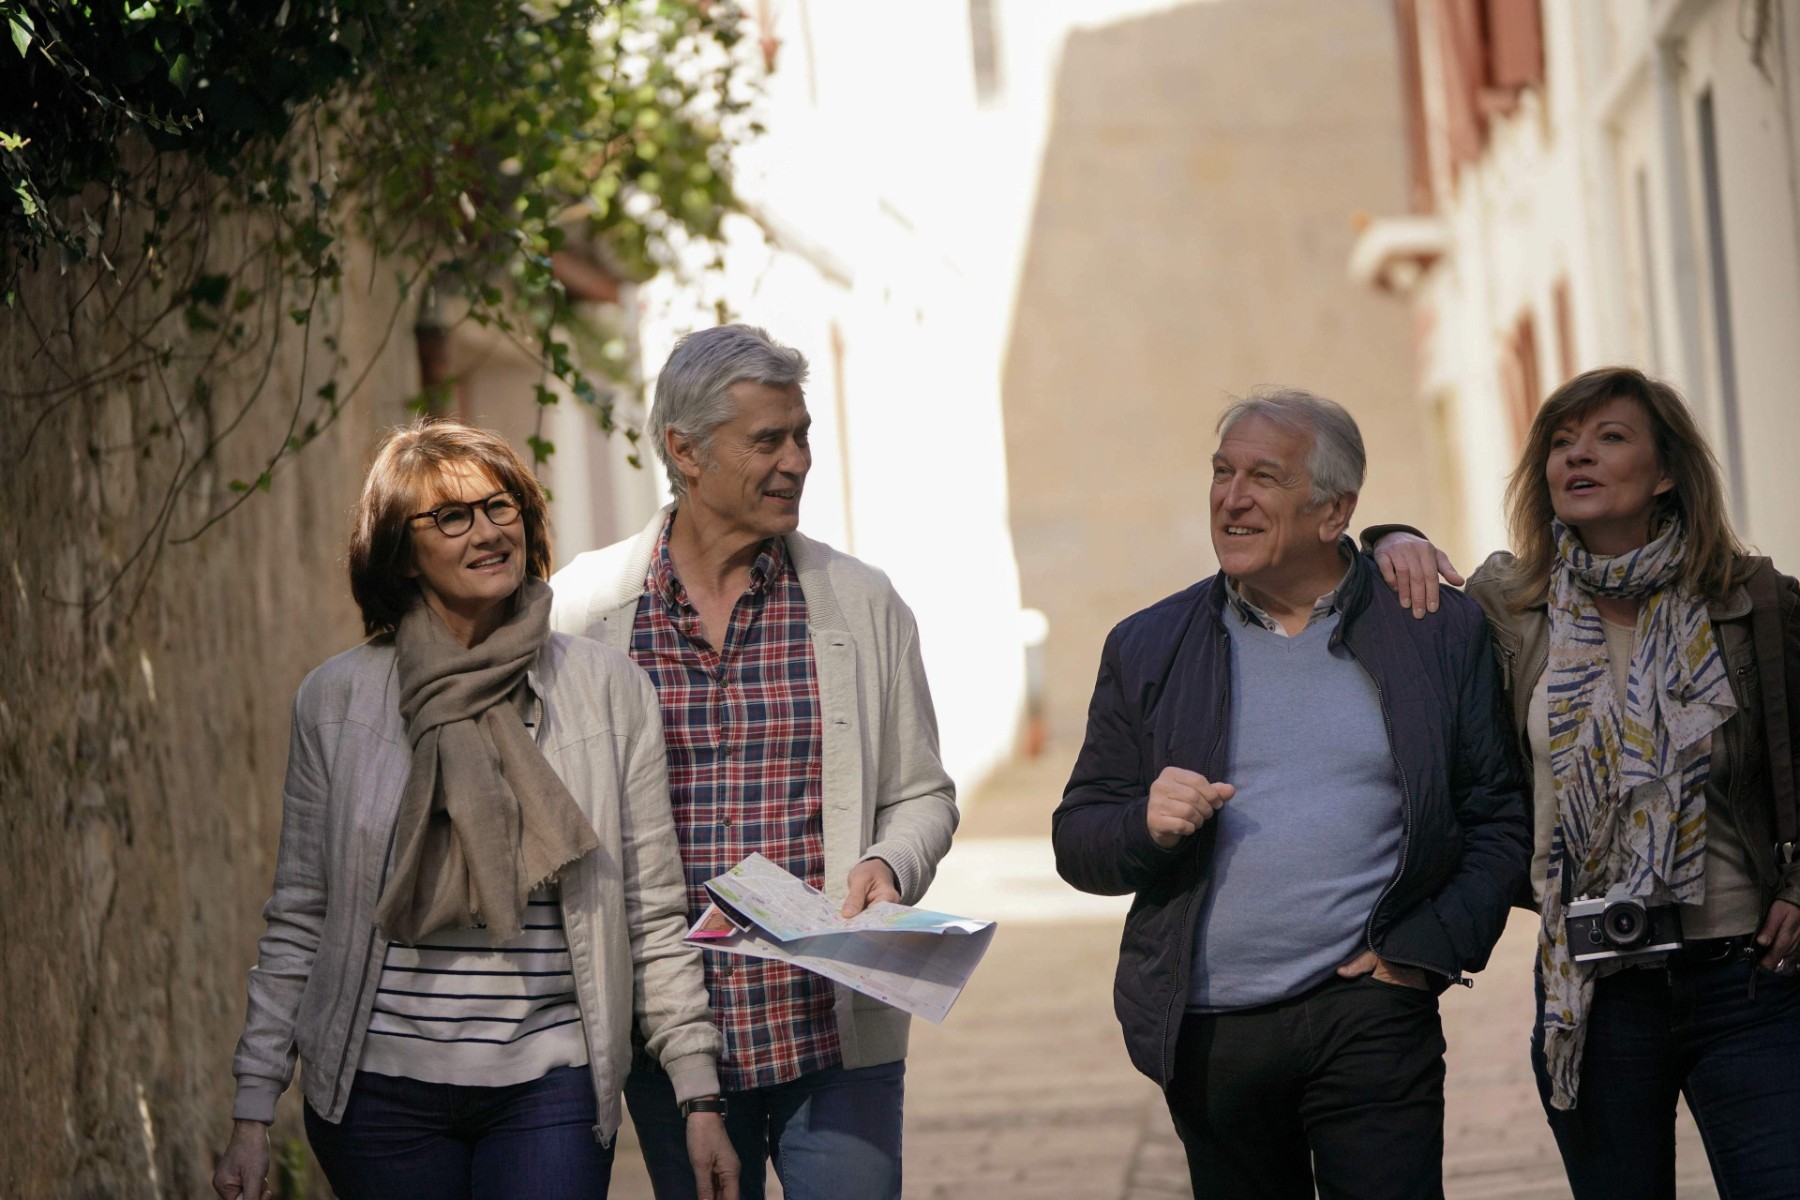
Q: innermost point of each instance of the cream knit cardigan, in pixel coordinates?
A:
(885, 792)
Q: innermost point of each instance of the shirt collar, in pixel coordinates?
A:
(771, 562)
(1323, 607)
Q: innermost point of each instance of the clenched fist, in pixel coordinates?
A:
(1180, 802)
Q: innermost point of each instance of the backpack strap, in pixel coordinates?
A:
(1768, 639)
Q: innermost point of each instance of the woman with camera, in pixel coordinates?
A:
(478, 887)
(1653, 673)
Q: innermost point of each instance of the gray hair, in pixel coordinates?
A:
(692, 391)
(1336, 461)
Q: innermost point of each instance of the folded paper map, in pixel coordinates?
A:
(911, 958)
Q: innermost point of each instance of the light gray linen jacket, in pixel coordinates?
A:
(624, 905)
(885, 792)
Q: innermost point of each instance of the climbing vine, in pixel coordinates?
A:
(468, 143)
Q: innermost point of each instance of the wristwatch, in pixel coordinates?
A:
(711, 1104)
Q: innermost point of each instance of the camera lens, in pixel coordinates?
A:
(1625, 923)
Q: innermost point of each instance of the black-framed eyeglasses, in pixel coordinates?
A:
(458, 517)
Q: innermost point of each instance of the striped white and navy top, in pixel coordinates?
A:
(455, 1010)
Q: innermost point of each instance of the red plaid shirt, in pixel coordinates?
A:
(745, 743)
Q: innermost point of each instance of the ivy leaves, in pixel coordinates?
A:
(516, 112)
(607, 125)
(479, 147)
(20, 26)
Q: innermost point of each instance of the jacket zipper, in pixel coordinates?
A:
(1187, 929)
(1406, 803)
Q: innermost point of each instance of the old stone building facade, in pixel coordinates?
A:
(1593, 183)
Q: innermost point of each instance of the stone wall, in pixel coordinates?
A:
(143, 737)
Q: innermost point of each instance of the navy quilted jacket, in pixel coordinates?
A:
(1163, 698)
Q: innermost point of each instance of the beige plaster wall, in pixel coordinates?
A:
(1193, 219)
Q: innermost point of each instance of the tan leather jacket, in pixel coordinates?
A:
(1737, 791)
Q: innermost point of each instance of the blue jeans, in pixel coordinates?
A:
(833, 1134)
(411, 1140)
(1655, 1032)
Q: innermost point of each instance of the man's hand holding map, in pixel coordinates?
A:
(911, 958)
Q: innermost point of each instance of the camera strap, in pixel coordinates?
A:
(1769, 643)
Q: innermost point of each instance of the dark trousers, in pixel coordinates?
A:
(405, 1139)
(832, 1134)
(1342, 1087)
(1693, 1030)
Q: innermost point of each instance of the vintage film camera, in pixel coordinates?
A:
(1620, 927)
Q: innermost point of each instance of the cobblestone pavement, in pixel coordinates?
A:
(1025, 1090)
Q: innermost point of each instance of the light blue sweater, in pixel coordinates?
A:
(1312, 836)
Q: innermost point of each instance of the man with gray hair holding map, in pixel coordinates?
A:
(799, 726)
(1314, 798)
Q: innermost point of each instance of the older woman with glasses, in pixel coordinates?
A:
(478, 888)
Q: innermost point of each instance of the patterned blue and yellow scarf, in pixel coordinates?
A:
(1630, 771)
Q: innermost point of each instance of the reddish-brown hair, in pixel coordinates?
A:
(1710, 568)
(408, 464)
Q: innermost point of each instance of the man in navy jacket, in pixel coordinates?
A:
(1316, 801)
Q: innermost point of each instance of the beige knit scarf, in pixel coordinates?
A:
(484, 818)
